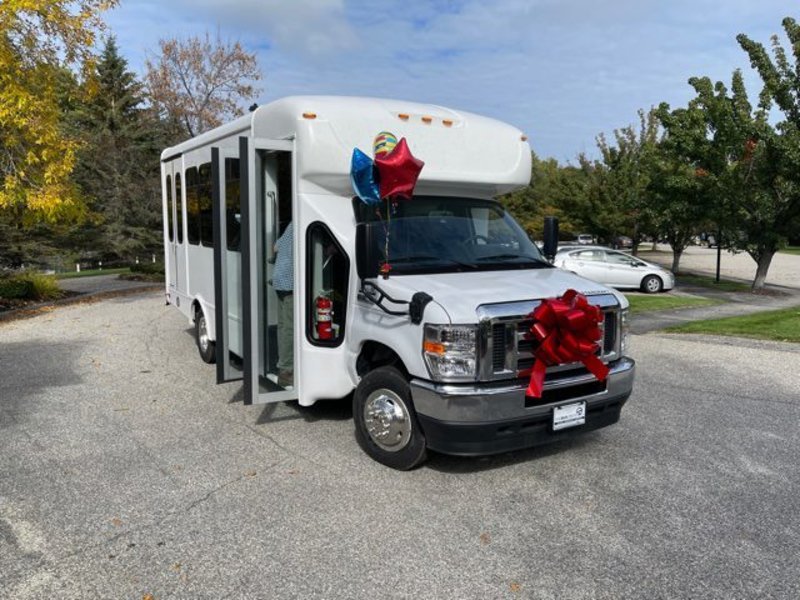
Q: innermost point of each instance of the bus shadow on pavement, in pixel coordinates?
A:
(324, 410)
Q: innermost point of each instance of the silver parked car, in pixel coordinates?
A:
(613, 268)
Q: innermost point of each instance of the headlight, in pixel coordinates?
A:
(624, 330)
(450, 352)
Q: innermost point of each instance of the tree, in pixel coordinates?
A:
(627, 174)
(682, 199)
(38, 38)
(551, 188)
(199, 84)
(776, 215)
(118, 164)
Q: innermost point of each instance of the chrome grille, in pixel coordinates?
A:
(507, 349)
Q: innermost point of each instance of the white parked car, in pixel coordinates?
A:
(615, 269)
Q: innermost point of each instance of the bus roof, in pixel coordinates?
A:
(460, 149)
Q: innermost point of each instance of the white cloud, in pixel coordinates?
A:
(562, 70)
(313, 28)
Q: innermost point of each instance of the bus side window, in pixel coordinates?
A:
(204, 205)
(179, 207)
(233, 211)
(327, 273)
(170, 232)
(192, 206)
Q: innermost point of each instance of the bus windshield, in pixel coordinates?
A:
(436, 234)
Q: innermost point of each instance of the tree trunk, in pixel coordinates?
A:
(764, 260)
(676, 259)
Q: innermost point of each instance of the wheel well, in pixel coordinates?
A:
(374, 355)
(195, 308)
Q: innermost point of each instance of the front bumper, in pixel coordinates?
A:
(496, 417)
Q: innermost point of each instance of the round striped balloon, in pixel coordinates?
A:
(384, 142)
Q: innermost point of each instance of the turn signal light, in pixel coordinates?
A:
(433, 347)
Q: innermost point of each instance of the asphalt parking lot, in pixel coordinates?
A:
(126, 472)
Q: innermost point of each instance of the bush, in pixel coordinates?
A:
(148, 268)
(29, 285)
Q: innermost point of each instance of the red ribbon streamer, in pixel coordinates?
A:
(567, 329)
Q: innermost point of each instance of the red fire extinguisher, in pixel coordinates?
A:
(324, 318)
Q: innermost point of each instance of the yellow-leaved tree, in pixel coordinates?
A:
(38, 39)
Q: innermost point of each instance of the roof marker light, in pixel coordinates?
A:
(523, 137)
(427, 119)
(447, 122)
(403, 116)
(309, 115)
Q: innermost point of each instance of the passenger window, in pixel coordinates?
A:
(204, 205)
(591, 255)
(327, 272)
(170, 232)
(233, 211)
(620, 259)
(179, 206)
(192, 206)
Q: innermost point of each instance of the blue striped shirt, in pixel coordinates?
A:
(283, 275)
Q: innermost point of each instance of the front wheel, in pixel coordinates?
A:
(652, 284)
(205, 346)
(386, 423)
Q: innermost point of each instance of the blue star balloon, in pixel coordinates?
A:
(362, 175)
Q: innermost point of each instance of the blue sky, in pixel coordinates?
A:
(561, 70)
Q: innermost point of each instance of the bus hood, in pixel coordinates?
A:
(460, 294)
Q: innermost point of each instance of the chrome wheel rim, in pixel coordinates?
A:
(387, 420)
(203, 334)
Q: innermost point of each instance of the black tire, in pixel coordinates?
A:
(205, 347)
(401, 444)
(652, 284)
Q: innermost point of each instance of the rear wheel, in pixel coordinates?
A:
(205, 346)
(652, 284)
(386, 423)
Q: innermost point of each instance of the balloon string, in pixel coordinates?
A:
(388, 229)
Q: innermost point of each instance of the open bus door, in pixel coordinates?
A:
(245, 231)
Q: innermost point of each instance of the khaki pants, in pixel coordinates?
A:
(285, 331)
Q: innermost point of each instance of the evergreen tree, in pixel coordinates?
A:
(118, 164)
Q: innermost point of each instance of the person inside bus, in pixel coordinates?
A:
(283, 284)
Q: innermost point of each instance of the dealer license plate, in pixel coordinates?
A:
(569, 415)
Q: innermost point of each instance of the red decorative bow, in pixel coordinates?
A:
(567, 331)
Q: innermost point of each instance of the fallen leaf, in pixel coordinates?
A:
(292, 472)
(485, 538)
(116, 522)
(176, 567)
(515, 587)
(250, 473)
(148, 597)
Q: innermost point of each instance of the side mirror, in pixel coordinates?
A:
(550, 237)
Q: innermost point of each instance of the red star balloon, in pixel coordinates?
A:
(398, 171)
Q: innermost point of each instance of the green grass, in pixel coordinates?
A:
(640, 304)
(724, 285)
(93, 272)
(782, 325)
(791, 250)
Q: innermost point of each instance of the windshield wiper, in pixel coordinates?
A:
(429, 257)
(532, 259)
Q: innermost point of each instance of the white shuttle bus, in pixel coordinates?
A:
(281, 269)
